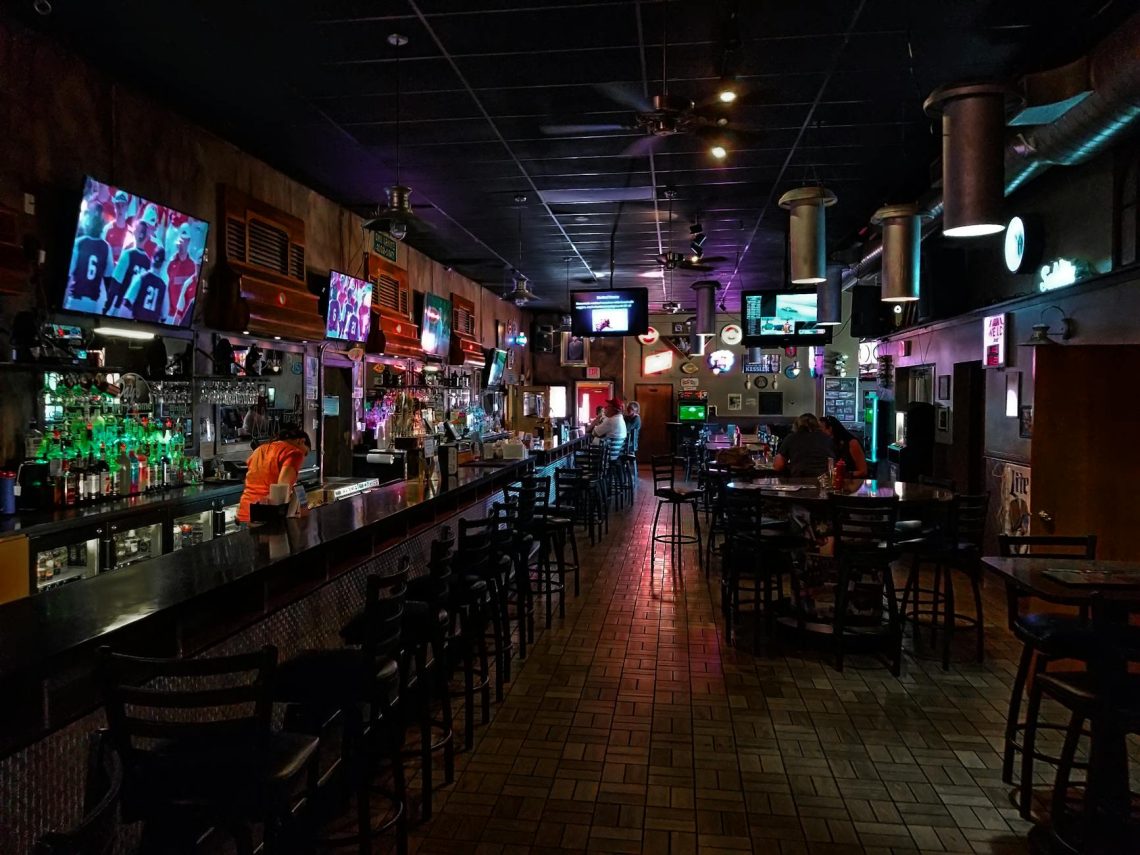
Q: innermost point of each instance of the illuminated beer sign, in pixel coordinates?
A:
(993, 341)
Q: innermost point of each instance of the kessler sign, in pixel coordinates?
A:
(993, 341)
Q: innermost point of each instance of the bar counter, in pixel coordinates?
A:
(553, 450)
(183, 602)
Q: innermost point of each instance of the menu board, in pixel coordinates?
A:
(839, 398)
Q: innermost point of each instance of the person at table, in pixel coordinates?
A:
(276, 462)
(805, 451)
(846, 447)
(633, 424)
(599, 415)
(611, 427)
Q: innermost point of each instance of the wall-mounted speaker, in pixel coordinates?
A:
(542, 338)
(870, 316)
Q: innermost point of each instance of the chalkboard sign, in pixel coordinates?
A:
(840, 398)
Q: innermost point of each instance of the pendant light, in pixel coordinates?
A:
(902, 241)
(807, 232)
(1042, 331)
(566, 322)
(397, 214)
(521, 295)
(973, 156)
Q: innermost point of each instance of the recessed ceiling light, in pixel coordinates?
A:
(726, 96)
(719, 152)
(581, 219)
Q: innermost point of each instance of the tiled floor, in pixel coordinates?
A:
(634, 727)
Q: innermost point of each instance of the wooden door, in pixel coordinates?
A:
(1084, 469)
(656, 400)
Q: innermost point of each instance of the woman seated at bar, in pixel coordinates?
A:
(805, 451)
(847, 447)
(276, 462)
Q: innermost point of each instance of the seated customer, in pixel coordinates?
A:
(805, 451)
(847, 447)
(633, 424)
(611, 427)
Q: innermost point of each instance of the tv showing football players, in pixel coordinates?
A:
(134, 259)
(350, 308)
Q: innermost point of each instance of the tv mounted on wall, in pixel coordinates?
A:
(610, 313)
(435, 326)
(780, 318)
(134, 259)
(349, 315)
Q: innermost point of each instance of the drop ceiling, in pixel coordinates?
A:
(834, 96)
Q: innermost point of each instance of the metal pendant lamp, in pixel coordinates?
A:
(973, 156)
(902, 241)
(521, 294)
(807, 232)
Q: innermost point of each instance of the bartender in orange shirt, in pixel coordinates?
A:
(275, 462)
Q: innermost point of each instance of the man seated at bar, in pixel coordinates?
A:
(633, 424)
(805, 451)
(275, 462)
(847, 447)
(611, 427)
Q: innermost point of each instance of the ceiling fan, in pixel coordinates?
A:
(693, 263)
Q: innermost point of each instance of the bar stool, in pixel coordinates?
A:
(363, 688)
(955, 547)
(97, 832)
(524, 549)
(592, 462)
(194, 753)
(1046, 638)
(496, 573)
(530, 497)
(675, 498)
(572, 500)
(562, 527)
(471, 614)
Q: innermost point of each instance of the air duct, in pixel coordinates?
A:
(829, 298)
(807, 232)
(1083, 132)
(902, 242)
(973, 128)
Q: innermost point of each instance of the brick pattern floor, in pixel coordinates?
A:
(634, 727)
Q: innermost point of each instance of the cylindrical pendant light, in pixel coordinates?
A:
(829, 298)
(973, 156)
(754, 355)
(706, 306)
(902, 239)
(807, 232)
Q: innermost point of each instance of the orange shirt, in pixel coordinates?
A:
(265, 465)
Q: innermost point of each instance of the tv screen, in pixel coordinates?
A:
(349, 315)
(496, 366)
(692, 412)
(619, 312)
(435, 326)
(134, 259)
(775, 318)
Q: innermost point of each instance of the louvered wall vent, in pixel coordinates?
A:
(235, 239)
(269, 247)
(391, 294)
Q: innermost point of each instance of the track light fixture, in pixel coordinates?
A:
(719, 152)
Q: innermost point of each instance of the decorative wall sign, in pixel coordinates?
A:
(679, 328)
(1015, 245)
(655, 363)
(731, 334)
(792, 371)
(690, 367)
(690, 383)
(944, 387)
(384, 245)
(735, 401)
(1063, 272)
(1025, 422)
(593, 372)
(993, 341)
(769, 364)
(790, 352)
(721, 361)
(761, 382)
(650, 337)
(575, 351)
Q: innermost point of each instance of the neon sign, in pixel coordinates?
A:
(655, 363)
(1063, 272)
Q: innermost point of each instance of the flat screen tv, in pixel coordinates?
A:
(779, 318)
(616, 312)
(134, 259)
(349, 315)
(693, 412)
(435, 326)
(496, 367)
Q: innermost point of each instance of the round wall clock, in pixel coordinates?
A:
(731, 334)
(760, 382)
(792, 371)
(690, 367)
(650, 337)
(790, 352)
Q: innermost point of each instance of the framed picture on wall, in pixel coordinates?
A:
(735, 401)
(575, 351)
(1025, 422)
(944, 387)
(943, 418)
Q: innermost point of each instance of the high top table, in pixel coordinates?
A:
(807, 491)
(1110, 590)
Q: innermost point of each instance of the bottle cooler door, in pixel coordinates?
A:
(192, 529)
(62, 564)
(137, 544)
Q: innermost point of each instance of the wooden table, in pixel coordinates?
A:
(1108, 784)
(808, 492)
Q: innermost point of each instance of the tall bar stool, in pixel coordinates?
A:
(97, 832)
(1046, 638)
(572, 500)
(523, 551)
(363, 688)
(496, 573)
(531, 498)
(956, 547)
(562, 528)
(675, 497)
(197, 749)
(472, 614)
(592, 463)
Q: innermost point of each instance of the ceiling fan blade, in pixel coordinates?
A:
(713, 259)
(642, 146)
(574, 130)
(627, 94)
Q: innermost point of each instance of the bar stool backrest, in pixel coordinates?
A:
(531, 502)
(664, 471)
(569, 484)
(862, 525)
(968, 515)
(384, 597)
(97, 831)
(476, 546)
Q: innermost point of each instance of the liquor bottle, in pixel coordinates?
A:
(94, 478)
(166, 470)
(55, 454)
(144, 469)
(70, 494)
(79, 475)
(123, 472)
(133, 464)
(104, 473)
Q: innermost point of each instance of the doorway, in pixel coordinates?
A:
(336, 421)
(968, 427)
(588, 396)
(656, 400)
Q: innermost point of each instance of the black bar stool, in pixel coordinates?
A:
(362, 688)
(524, 549)
(97, 832)
(472, 613)
(675, 498)
(531, 498)
(197, 749)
